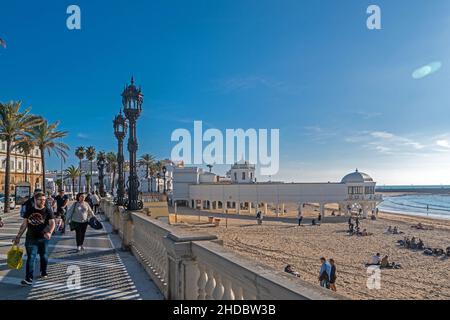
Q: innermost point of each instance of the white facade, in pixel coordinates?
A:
(242, 172)
(356, 189)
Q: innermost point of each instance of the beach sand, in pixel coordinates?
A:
(277, 244)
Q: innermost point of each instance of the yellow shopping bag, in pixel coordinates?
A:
(14, 259)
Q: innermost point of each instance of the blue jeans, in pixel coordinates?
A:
(325, 284)
(34, 247)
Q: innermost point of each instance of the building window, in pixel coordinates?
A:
(355, 190)
(4, 146)
(243, 175)
(369, 190)
(20, 165)
(12, 165)
(251, 175)
(235, 176)
(37, 152)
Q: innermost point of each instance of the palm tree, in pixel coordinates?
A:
(147, 160)
(80, 153)
(73, 173)
(45, 136)
(157, 169)
(25, 145)
(14, 126)
(101, 157)
(111, 167)
(90, 155)
(59, 183)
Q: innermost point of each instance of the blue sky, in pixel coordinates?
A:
(342, 96)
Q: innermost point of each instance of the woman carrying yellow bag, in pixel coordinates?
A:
(14, 259)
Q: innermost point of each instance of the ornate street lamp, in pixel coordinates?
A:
(120, 131)
(132, 99)
(164, 170)
(101, 162)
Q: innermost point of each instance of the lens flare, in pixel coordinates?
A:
(427, 70)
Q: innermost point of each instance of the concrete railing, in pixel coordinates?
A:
(188, 265)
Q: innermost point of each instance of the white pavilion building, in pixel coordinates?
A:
(195, 188)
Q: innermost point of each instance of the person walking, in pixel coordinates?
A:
(324, 273)
(39, 222)
(95, 200)
(332, 275)
(78, 217)
(62, 201)
(300, 218)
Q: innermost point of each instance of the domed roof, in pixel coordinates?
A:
(356, 177)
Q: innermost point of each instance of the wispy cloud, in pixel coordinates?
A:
(248, 82)
(368, 115)
(82, 136)
(319, 134)
(385, 142)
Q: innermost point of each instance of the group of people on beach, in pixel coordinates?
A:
(412, 243)
(327, 273)
(394, 230)
(354, 228)
(383, 263)
(419, 245)
(41, 214)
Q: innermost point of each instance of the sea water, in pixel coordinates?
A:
(431, 205)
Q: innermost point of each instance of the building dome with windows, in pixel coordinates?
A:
(356, 177)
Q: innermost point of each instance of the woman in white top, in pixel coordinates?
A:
(78, 217)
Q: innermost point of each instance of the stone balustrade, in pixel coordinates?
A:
(188, 265)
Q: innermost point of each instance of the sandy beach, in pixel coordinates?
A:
(278, 244)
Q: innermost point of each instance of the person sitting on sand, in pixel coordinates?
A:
(313, 222)
(375, 261)
(413, 244)
(389, 229)
(289, 269)
(364, 233)
(407, 243)
(387, 265)
(395, 231)
(420, 244)
(448, 251)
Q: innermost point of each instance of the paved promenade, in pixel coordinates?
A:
(106, 271)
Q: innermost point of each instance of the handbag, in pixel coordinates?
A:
(72, 225)
(95, 224)
(14, 259)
